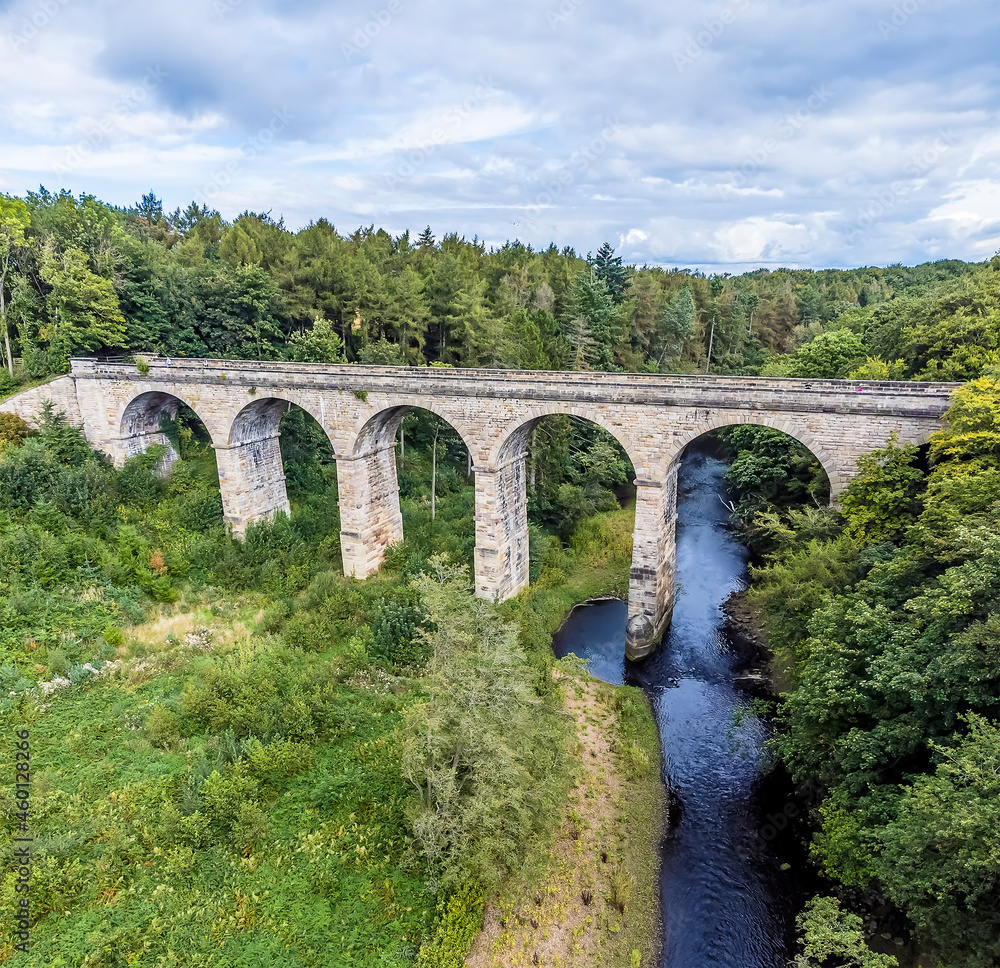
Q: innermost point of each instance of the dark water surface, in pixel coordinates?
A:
(726, 900)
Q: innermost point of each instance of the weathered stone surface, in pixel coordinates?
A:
(494, 411)
(28, 404)
(501, 555)
(651, 580)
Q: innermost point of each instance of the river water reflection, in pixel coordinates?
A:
(728, 899)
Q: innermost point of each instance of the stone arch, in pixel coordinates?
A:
(783, 424)
(139, 425)
(379, 431)
(260, 419)
(370, 515)
(651, 573)
(513, 439)
(251, 468)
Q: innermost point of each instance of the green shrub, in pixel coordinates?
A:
(273, 618)
(58, 663)
(223, 795)
(604, 538)
(163, 727)
(251, 829)
(394, 635)
(830, 933)
(458, 921)
(14, 431)
(277, 760)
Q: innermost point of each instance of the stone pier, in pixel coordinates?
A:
(501, 529)
(370, 518)
(252, 481)
(654, 561)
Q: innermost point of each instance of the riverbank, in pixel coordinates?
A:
(764, 671)
(591, 898)
(885, 929)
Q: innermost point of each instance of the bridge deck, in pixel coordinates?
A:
(853, 396)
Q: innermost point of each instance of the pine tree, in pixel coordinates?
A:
(608, 267)
(592, 302)
(676, 325)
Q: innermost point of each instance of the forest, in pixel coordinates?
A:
(265, 725)
(80, 277)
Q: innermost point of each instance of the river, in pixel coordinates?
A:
(729, 893)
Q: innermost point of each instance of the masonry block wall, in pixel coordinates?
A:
(360, 409)
(28, 404)
(654, 561)
(370, 518)
(501, 554)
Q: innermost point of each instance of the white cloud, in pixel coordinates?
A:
(581, 131)
(632, 237)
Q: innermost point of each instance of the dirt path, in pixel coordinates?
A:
(588, 905)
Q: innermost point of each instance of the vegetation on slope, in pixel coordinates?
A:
(239, 755)
(884, 613)
(887, 617)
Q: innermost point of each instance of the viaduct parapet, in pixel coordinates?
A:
(495, 411)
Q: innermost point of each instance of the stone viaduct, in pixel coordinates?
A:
(360, 408)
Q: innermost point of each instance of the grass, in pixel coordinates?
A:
(309, 858)
(225, 792)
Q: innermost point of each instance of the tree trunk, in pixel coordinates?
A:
(434, 470)
(711, 340)
(6, 331)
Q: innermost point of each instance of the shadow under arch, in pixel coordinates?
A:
(790, 428)
(261, 418)
(141, 426)
(370, 511)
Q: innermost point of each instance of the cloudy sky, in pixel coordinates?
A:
(718, 134)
